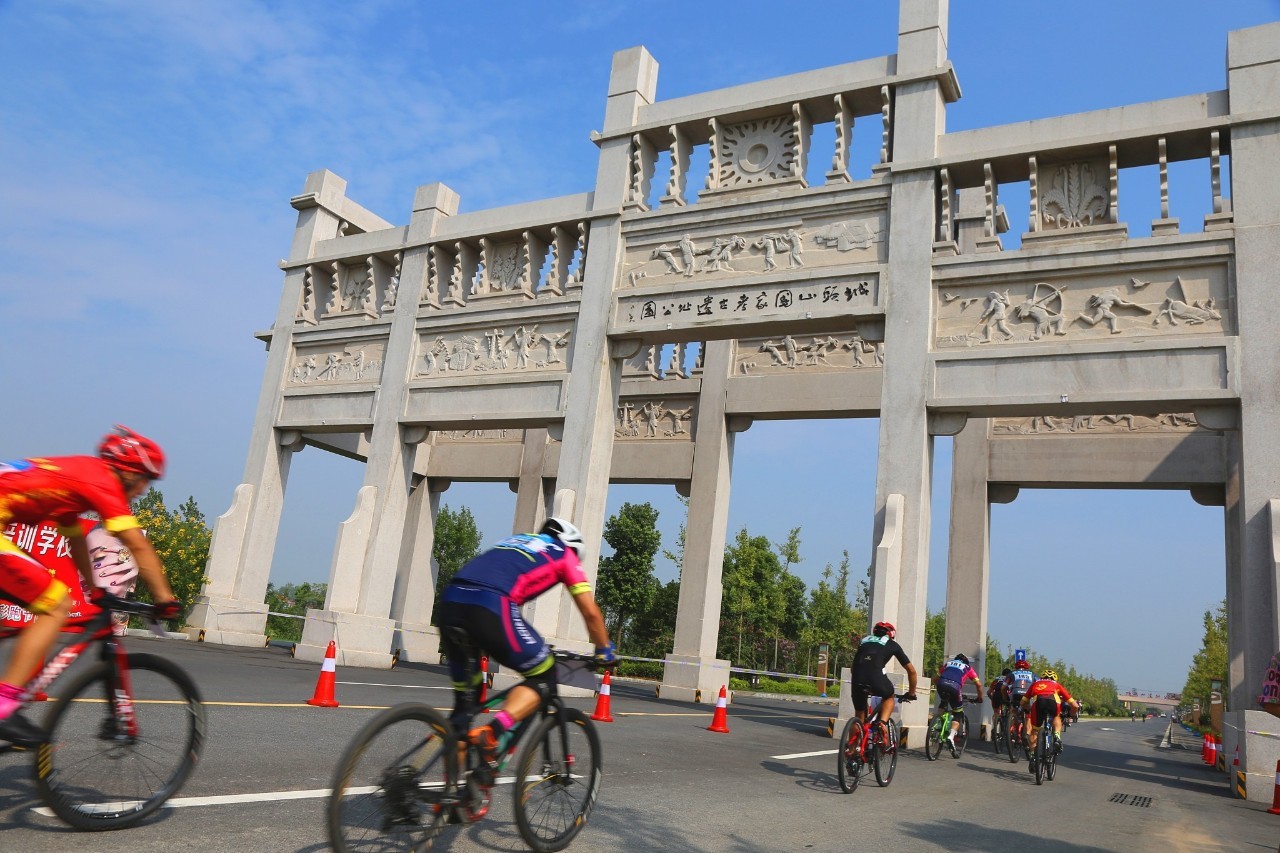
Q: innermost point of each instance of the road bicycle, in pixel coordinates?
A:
(123, 735)
(1044, 758)
(866, 748)
(1000, 730)
(400, 780)
(1018, 739)
(940, 728)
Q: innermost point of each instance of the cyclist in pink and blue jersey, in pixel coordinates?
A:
(951, 678)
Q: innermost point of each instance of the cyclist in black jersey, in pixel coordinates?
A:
(869, 679)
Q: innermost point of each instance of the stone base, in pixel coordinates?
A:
(692, 679)
(1108, 233)
(418, 643)
(1164, 227)
(361, 640)
(988, 244)
(1220, 221)
(1257, 734)
(228, 621)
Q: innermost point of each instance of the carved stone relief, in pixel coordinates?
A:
(1178, 422)
(843, 241)
(664, 418)
(470, 435)
(815, 299)
(529, 346)
(1097, 307)
(1077, 195)
(756, 151)
(819, 354)
(325, 363)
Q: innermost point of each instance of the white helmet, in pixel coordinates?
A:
(569, 535)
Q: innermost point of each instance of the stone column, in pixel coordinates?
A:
(591, 393)
(905, 465)
(358, 612)
(231, 608)
(414, 600)
(533, 502)
(1253, 60)
(692, 670)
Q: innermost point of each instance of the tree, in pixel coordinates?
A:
(625, 583)
(789, 553)
(935, 632)
(652, 632)
(831, 620)
(1210, 662)
(752, 603)
(181, 539)
(294, 599)
(457, 541)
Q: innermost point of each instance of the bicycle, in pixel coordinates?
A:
(1044, 759)
(1018, 735)
(940, 728)
(1000, 730)
(112, 756)
(863, 750)
(399, 781)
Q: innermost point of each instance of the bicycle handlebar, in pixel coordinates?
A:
(107, 601)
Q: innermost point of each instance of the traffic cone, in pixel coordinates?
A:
(1236, 761)
(1206, 749)
(323, 697)
(720, 720)
(602, 714)
(484, 678)
(1275, 796)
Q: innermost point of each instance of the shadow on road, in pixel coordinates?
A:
(959, 835)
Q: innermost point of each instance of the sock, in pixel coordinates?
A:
(9, 700)
(502, 722)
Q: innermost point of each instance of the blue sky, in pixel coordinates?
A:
(150, 149)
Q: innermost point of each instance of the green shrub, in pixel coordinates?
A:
(640, 669)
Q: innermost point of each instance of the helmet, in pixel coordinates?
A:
(125, 450)
(1007, 672)
(962, 658)
(883, 629)
(1022, 665)
(1049, 674)
(569, 536)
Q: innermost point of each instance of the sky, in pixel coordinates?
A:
(149, 148)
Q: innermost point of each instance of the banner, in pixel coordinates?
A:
(50, 549)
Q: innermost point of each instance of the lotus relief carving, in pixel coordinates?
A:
(1076, 200)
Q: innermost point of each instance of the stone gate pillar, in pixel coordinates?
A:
(414, 599)
(692, 668)
(591, 395)
(905, 461)
(366, 561)
(231, 609)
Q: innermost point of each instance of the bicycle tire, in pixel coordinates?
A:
(1040, 758)
(848, 758)
(395, 784)
(1013, 741)
(886, 756)
(998, 734)
(962, 736)
(1051, 769)
(94, 776)
(933, 740)
(552, 802)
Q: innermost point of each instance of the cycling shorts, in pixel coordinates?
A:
(873, 685)
(949, 696)
(1044, 709)
(26, 582)
(494, 625)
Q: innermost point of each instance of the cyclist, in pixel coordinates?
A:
(58, 489)
(1044, 701)
(998, 691)
(869, 679)
(951, 678)
(482, 602)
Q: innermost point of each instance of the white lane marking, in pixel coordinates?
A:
(803, 754)
(375, 684)
(233, 799)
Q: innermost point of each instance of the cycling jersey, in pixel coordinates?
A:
(956, 673)
(998, 692)
(1051, 689)
(1020, 682)
(523, 567)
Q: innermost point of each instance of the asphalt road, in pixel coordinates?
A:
(669, 784)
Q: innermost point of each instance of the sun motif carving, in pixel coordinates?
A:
(756, 151)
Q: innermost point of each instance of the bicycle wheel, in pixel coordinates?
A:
(395, 784)
(1040, 757)
(998, 734)
(934, 739)
(962, 736)
(93, 773)
(886, 759)
(848, 756)
(1013, 741)
(557, 780)
(1051, 761)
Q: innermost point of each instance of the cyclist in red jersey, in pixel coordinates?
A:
(59, 489)
(1044, 701)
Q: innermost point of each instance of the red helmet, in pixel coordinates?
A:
(125, 450)
(885, 629)
(1022, 665)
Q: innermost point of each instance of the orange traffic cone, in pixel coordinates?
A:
(1275, 796)
(1206, 749)
(602, 714)
(323, 697)
(720, 720)
(484, 678)
(1236, 762)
